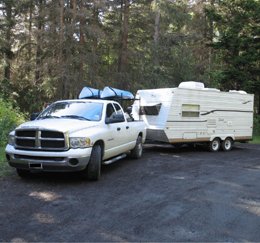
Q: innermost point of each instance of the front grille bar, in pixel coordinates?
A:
(57, 142)
(41, 148)
(37, 139)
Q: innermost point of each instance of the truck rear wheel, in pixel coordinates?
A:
(93, 169)
(227, 144)
(214, 145)
(137, 152)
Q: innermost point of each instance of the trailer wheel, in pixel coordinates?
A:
(93, 169)
(227, 144)
(137, 152)
(214, 145)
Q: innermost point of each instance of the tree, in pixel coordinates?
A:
(237, 43)
(8, 22)
(50, 49)
(236, 40)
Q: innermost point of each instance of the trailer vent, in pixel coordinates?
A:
(211, 123)
(191, 85)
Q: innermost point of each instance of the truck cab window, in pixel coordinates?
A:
(118, 109)
(110, 110)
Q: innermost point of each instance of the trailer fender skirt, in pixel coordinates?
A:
(222, 136)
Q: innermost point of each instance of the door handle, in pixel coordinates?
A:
(127, 127)
(118, 129)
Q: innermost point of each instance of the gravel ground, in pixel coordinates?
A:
(169, 194)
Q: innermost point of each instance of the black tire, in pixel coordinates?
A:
(214, 145)
(227, 144)
(93, 169)
(23, 173)
(137, 151)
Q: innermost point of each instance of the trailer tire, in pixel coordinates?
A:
(93, 169)
(214, 145)
(227, 144)
(137, 152)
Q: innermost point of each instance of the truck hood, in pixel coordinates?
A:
(62, 125)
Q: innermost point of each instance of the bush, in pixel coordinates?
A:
(257, 125)
(10, 117)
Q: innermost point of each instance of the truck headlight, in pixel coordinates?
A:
(11, 140)
(80, 142)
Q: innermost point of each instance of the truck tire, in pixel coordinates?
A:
(137, 151)
(214, 145)
(227, 144)
(93, 169)
(23, 173)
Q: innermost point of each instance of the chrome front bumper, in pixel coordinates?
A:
(71, 160)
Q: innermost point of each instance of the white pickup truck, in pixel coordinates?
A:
(75, 135)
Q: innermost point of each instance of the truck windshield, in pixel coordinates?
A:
(89, 111)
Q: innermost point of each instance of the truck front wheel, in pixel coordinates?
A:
(23, 173)
(93, 169)
(137, 152)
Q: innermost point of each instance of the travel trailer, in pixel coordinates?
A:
(192, 113)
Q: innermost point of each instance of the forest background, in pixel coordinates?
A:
(50, 49)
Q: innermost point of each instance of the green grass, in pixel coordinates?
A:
(256, 140)
(4, 167)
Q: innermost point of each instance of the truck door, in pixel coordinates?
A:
(127, 129)
(115, 139)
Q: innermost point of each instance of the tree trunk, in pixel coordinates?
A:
(156, 35)
(30, 29)
(73, 82)
(211, 36)
(123, 59)
(82, 23)
(8, 54)
(74, 10)
(61, 39)
(40, 25)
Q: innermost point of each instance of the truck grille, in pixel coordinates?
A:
(40, 140)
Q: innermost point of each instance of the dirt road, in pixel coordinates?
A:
(168, 195)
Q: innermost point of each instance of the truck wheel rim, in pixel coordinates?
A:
(140, 149)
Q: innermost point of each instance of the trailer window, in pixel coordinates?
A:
(190, 110)
(150, 110)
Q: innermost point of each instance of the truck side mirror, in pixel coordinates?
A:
(34, 116)
(115, 119)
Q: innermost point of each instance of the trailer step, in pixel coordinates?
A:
(107, 162)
